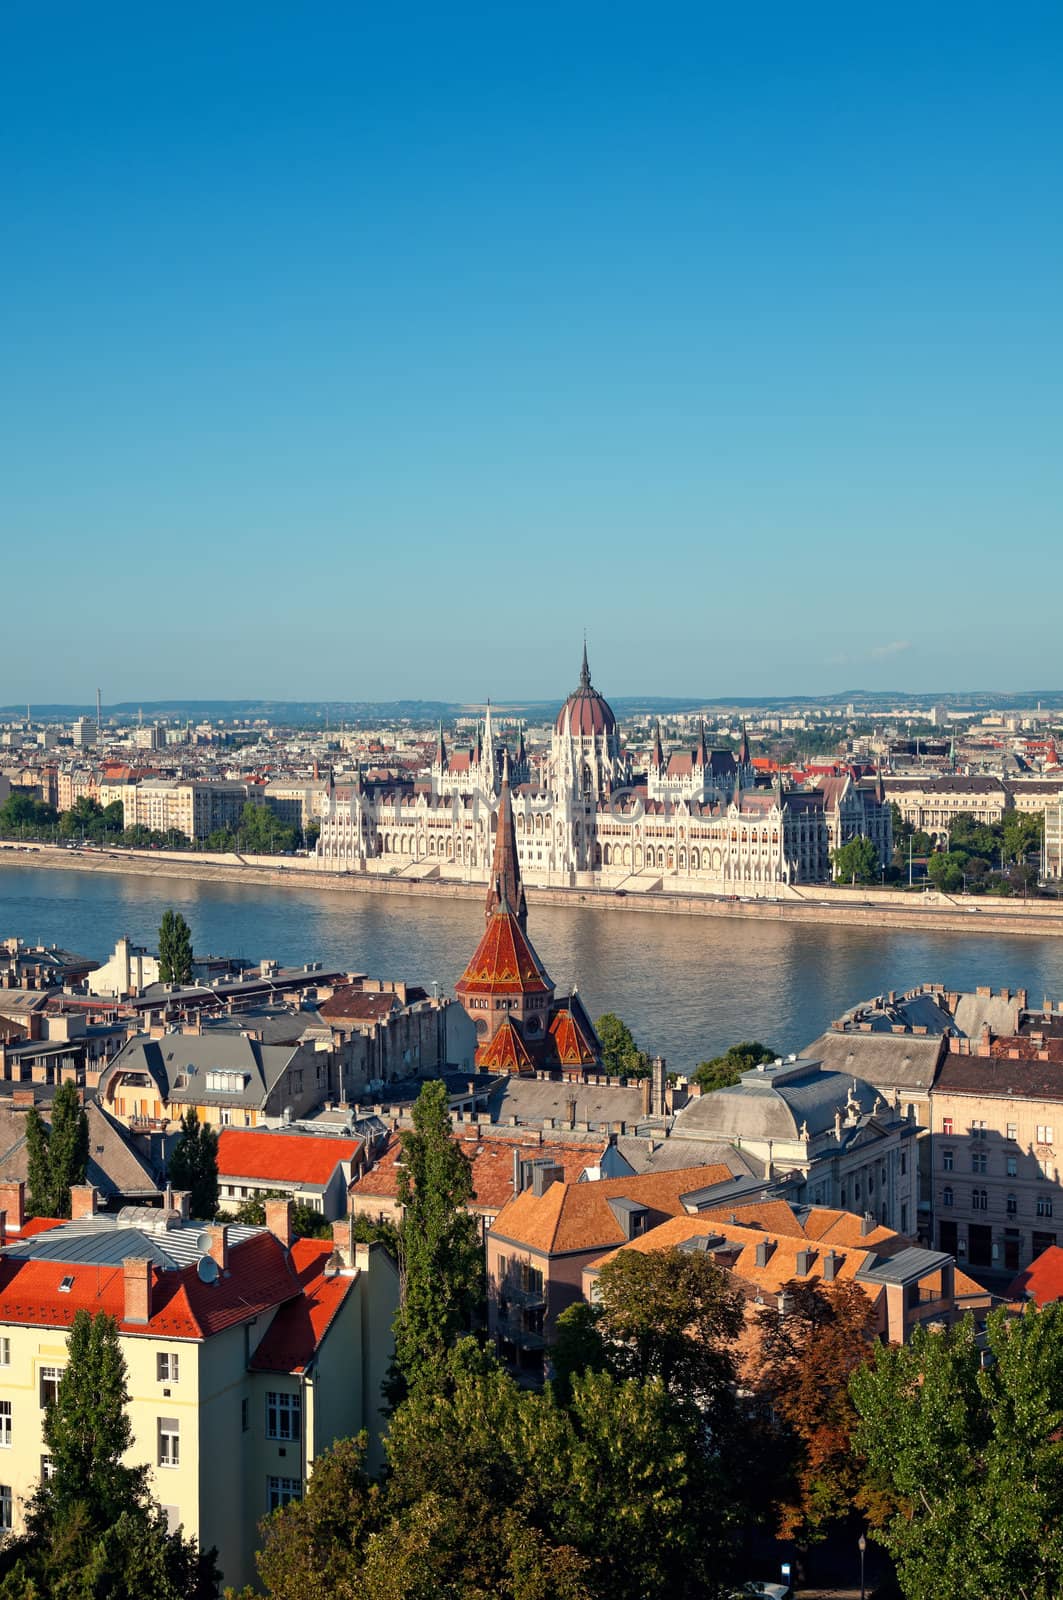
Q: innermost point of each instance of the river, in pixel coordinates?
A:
(687, 986)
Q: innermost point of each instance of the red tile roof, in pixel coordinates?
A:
(358, 1005)
(285, 1157)
(258, 1278)
(1042, 1280)
(491, 1160)
(505, 1051)
(292, 1339)
(504, 962)
(573, 1047)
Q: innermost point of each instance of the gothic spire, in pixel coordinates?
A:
(702, 757)
(506, 891)
(585, 671)
(657, 758)
(743, 749)
(441, 751)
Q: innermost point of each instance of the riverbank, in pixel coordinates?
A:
(867, 909)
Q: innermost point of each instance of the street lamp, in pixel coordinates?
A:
(861, 1545)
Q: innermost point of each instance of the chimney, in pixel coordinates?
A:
(867, 1224)
(219, 1245)
(82, 1201)
(343, 1241)
(179, 1200)
(831, 1263)
(570, 1112)
(279, 1220)
(137, 1272)
(658, 1079)
(764, 1252)
(646, 1092)
(13, 1202)
(516, 1170)
(544, 1173)
(804, 1263)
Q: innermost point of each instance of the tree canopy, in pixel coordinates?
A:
(440, 1255)
(175, 948)
(722, 1072)
(193, 1165)
(58, 1154)
(965, 1458)
(856, 862)
(621, 1056)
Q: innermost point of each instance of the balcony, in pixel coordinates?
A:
(512, 1328)
(517, 1294)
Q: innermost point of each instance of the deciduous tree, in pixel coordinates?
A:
(57, 1154)
(194, 1165)
(723, 1072)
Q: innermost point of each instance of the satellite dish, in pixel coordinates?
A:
(207, 1269)
(204, 1241)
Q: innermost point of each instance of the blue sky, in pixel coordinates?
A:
(356, 351)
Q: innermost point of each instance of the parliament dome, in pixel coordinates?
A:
(586, 712)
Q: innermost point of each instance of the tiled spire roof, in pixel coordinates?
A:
(505, 891)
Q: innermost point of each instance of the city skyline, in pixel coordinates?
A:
(393, 352)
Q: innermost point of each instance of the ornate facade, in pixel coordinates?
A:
(694, 822)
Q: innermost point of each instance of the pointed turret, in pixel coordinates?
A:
(506, 891)
(478, 748)
(585, 671)
(441, 751)
(522, 754)
(743, 748)
(657, 757)
(701, 755)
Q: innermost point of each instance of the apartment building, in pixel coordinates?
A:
(229, 1078)
(248, 1353)
(769, 1246)
(305, 1169)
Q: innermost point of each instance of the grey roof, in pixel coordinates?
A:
(886, 1060)
(669, 1155)
(108, 1241)
(114, 1168)
(907, 1266)
(763, 1109)
(179, 1062)
(534, 1101)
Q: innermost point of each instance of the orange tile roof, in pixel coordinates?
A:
(505, 1051)
(183, 1307)
(782, 1260)
(491, 1160)
(571, 1043)
(577, 1217)
(821, 1223)
(503, 962)
(1042, 1280)
(284, 1157)
(291, 1341)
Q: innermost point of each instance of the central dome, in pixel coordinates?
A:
(585, 712)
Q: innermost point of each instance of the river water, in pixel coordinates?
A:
(687, 986)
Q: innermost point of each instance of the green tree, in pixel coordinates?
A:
(24, 816)
(194, 1165)
(964, 1460)
(723, 1072)
(578, 1347)
(440, 1256)
(856, 862)
(175, 948)
(1022, 836)
(261, 833)
(58, 1154)
(946, 870)
(92, 1531)
(673, 1315)
(621, 1056)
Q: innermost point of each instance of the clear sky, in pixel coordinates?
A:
(379, 350)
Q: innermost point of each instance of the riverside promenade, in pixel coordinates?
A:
(929, 911)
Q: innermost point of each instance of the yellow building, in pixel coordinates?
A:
(248, 1353)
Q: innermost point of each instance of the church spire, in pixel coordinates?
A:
(441, 751)
(743, 749)
(657, 758)
(506, 891)
(702, 758)
(585, 671)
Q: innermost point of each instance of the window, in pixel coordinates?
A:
(5, 1424)
(980, 1199)
(1013, 1166)
(946, 1125)
(47, 1469)
(1044, 1205)
(50, 1385)
(904, 1162)
(6, 1504)
(5, 1351)
(166, 1366)
(947, 1159)
(282, 1416)
(1013, 1130)
(1044, 1133)
(978, 1130)
(1013, 1206)
(282, 1490)
(946, 1196)
(978, 1161)
(245, 1415)
(169, 1442)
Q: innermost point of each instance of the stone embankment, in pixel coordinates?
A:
(871, 908)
